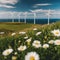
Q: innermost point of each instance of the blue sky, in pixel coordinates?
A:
(28, 5)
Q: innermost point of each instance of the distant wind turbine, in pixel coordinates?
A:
(19, 16)
(34, 16)
(12, 16)
(48, 14)
(25, 16)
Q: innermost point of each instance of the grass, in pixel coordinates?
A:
(14, 42)
(9, 27)
(16, 26)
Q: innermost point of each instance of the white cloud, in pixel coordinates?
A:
(56, 12)
(41, 10)
(8, 1)
(15, 15)
(45, 4)
(6, 6)
(5, 3)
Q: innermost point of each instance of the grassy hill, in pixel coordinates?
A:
(22, 26)
(8, 28)
(43, 42)
(16, 26)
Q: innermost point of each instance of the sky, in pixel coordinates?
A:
(12, 8)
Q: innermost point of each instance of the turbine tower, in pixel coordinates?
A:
(25, 16)
(48, 14)
(12, 16)
(19, 16)
(34, 18)
(34, 15)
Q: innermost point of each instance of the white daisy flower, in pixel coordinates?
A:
(2, 33)
(57, 42)
(51, 42)
(35, 29)
(26, 37)
(38, 33)
(22, 32)
(14, 57)
(15, 53)
(36, 44)
(22, 48)
(7, 52)
(56, 32)
(19, 41)
(28, 40)
(13, 34)
(45, 46)
(32, 56)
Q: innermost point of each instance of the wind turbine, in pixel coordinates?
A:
(25, 16)
(48, 14)
(12, 16)
(19, 16)
(34, 16)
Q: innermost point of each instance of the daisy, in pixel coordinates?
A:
(22, 48)
(35, 29)
(7, 52)
(15, 53)
(56, 32)
(57, 42)
(22, 32)
(28, 40)
(36, 44)
(13, 34)
(26, 37)
(32, 56)
(2, 33)
(45, 46)
(19, 41)
(38, 33)
(14, 57)
(51, 42)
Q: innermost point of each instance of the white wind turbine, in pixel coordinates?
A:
(25, 16)
(34, 16)
(19, 16)
(48, 14)
(12, 16)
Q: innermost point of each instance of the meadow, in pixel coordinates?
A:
(29, 41)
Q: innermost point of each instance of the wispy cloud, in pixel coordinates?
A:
(42, 10)
(8, 3)
(44, 4)
(8, 14)
(6, 6)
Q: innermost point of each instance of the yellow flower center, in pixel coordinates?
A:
(57, 32)
(22, 48)
(8, 52)
(58, 42)
(14, 58)
(37, 43)
(32, 58)
(28, 43)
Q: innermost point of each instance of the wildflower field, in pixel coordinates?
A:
(40, 43)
